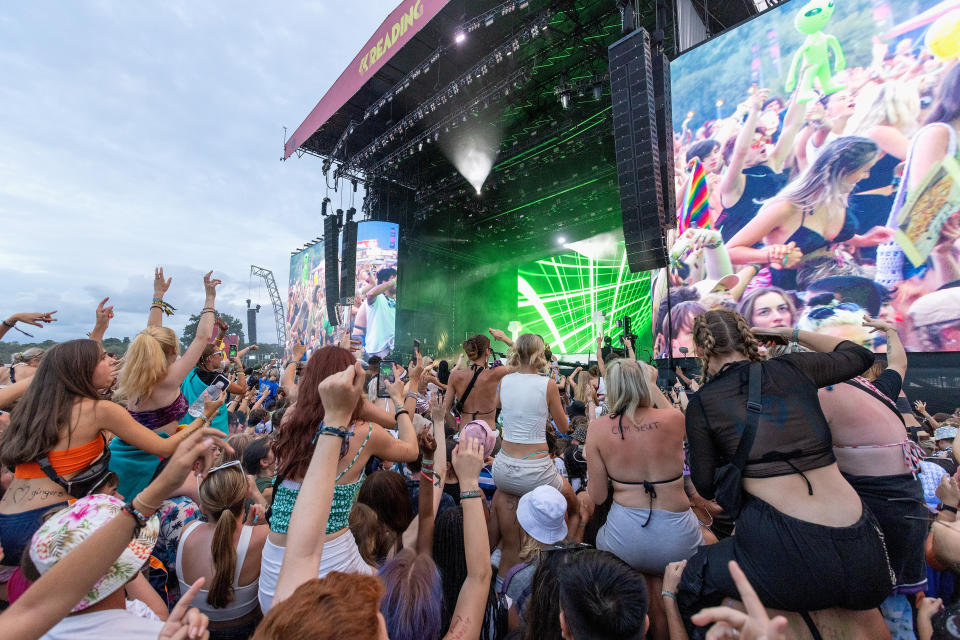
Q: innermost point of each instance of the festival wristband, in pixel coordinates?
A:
(668, 594)
(946, 507)
(465, 495)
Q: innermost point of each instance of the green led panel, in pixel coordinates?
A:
(558, 296)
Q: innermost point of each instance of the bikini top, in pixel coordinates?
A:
(648, 486)
(66, 461)
(809, 240)
(158, 418)
(344, 497)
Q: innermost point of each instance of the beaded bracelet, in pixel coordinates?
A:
(140, 520)
(464, 495)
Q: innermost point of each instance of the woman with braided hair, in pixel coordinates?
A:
(803, 537)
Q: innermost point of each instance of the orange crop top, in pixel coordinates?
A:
(66, 461)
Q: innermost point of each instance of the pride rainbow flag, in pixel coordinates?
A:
(695, 212)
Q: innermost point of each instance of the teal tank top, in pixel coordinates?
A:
(344, 496)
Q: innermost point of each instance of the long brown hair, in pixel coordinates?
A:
(65, 375)
(222, 494)
(721, 332)
(294, 445)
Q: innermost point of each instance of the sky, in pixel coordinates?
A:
(143, 134)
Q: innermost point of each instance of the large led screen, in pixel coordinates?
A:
(372, 320)
(560, 296)
(791, 134)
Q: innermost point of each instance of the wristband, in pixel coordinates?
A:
(465, 495)
(412, 394)
(139, 519)
(796, 336)
(427, 476)
(149, 507)
(946, 507)
(324, 430)
(400, 413)
(426, 462)
(668, 594)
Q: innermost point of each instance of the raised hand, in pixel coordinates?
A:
(185, 623)
(755, 624)
(948, 491)
(298, 351)
(671, 577)
(160, 285)
(498, 335)
(783, 256)
(877, 324)
(427, 443)
(104, 313)
(37, 319)
(210, 285)
(436, 408)
(921, 406)
(398, 387)
(339, 392)
(468, 460)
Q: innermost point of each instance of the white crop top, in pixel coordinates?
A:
(523, 401)
(244, 598)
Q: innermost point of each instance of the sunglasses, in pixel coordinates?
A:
(579, 546)
(825, 312)
(226, 465)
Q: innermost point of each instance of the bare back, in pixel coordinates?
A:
(481, 404)
(647, 447)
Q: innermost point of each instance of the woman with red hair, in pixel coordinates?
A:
(365, 437)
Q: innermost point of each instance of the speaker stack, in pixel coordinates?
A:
(331, 271)
(643, 172)
(348, 260)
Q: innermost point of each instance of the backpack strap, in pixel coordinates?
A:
(466, 392)
(754, 409)
(514, 570)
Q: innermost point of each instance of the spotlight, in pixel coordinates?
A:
(597, 90)
(460, 37)
(561, 240)
(488, 22)
(565, 99)
(420, 147)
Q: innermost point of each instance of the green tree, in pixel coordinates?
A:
(190, 331)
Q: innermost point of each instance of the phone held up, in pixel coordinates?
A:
(232, 351)
(384, 377)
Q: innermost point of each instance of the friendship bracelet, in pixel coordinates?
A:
(796, 336)
(426, 462)
(324, 430)
(140, 520)
(465, 495)
(427, 476)
(668, 594)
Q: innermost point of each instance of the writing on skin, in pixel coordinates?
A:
(390, 36)
(648, 426)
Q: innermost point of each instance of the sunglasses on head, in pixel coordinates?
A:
(578, 546)
(823, 313)
(225, 465)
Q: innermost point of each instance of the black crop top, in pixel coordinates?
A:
(792, 435)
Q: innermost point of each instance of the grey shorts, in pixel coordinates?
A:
(670, 536)
(517, 477)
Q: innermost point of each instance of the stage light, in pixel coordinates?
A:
(420, 147)
(524, 4)
(597, 90)
(561, 240)
(488, 22)
(565, 99)
(460, 37)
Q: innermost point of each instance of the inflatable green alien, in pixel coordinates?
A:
(812, 60)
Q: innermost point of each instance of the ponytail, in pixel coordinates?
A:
(220, 593)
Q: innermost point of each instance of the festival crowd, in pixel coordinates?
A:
(804, 198)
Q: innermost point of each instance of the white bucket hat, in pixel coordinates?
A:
(540, 512)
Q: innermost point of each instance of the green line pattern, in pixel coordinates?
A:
(558, 296)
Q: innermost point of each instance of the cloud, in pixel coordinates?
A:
(141, 134)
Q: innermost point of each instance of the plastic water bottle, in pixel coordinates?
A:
(210, 393)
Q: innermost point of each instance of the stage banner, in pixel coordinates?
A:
(398, 29)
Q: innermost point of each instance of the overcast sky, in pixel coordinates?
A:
(137, 134)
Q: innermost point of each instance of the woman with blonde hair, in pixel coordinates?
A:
(24, 365)
(149, 382)
(225, 551)
(529, 400)
(888, 114)
(637, 451)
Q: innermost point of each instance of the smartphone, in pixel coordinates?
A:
(232, 351)
(416, 347)
(384, 377)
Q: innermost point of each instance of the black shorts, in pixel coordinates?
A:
(892, 499)
(792, 564)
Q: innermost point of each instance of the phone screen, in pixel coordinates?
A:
(233, 351)
(416, 347)
(384, 377)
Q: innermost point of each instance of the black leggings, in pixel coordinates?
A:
(792, 564)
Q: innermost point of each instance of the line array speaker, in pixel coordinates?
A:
(331, 271)
(661, 95)
(638, 157)
(348, 261)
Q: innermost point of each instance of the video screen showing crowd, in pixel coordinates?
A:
(372, 318)
(816, 175)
